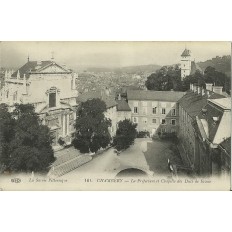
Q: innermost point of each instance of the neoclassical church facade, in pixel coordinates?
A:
(51, 88)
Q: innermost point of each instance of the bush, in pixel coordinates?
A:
(143, 134)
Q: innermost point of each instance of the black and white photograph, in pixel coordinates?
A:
(115, 115)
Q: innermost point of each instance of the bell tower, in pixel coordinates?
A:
(185, 63)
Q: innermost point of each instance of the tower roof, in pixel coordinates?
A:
(186, 52)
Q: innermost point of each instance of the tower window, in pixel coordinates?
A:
(52, 100)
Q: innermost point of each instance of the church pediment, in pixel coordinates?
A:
(52, 68)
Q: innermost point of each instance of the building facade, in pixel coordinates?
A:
(193, 129)
(51, 89)
(213, 141)
(154, 111)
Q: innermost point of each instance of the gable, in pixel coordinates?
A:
(52, 68)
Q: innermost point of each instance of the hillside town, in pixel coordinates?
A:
(179, 133)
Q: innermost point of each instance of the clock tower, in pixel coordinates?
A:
(185, 63)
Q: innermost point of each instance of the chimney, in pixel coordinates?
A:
(217, 89)
(198, 90)
(209, 86)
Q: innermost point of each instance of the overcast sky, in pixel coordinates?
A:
(108, 54)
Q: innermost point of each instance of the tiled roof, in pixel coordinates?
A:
(186, 52)
(208, 116)
(193, 102)
(30, 66)
(109, 100)
(122, 105)
(143, 95)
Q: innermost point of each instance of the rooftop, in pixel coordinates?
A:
(146, 95)
(109, 100)
(224, 103)
(122, 105)
(193, 102)
(186, 52)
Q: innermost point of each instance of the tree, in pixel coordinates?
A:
(30, 146)
(92, 127)
(165, 79)
(217, 78)
(7, 131)
(125, 135)
(196, 78)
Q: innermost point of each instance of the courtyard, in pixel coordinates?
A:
(146, 155)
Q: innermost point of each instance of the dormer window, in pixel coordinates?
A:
(215, 120)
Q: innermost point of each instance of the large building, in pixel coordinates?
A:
(51, 88)
(192, 118)
(213, 137)
(154, 111)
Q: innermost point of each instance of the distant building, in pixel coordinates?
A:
(188, 65)
(123, 109)
(154, 111)
(51, 89)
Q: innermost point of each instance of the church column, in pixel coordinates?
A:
(67, 124)
(24, 84)
(63, 124)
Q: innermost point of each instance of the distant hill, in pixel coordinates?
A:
(221, 64)
(128, 69)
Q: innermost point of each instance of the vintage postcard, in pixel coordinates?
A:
(115, 116)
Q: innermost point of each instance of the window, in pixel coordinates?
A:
(173, 122)
(173, 112)
(154, 120)
(163, 111)
(163, 121)
(163, 130)
(52, 100)
(135, 110)
(154, 110)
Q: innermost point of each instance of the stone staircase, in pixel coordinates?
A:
(67, 162)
